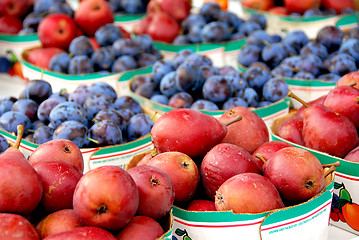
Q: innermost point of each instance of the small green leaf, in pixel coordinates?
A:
(337, 185)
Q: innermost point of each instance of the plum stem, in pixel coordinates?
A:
(328, 171)
(93, 140)
(260, 157)
(335, 164)
(153, 116)
(292, 95)
(20, 133)
(233, 120)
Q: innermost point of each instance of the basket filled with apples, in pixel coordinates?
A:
(223, 190)
(311, 67)
(192, 80)
(108, 128)
(59, 201)
(20, 20)
(86, 49)
(309, 15)
(210, 30)
(327, 127)
(128, 13)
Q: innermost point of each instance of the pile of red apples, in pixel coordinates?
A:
(56, 31)
(163, 19)
(228, 164)
(329, 123)
(49, 197)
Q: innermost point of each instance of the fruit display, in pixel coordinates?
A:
(59, 201)
(311, 67)
(309, 16)
(20, 20)
(214, 172)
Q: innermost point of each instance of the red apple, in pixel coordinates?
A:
(57, 30)
(349, 78)
(178, 9)
(155, 189)
(248, 193)
(163, 27)
(296, 173)
(353, 155)
(182, 170)
(301, 6)
(58, 150)
(41, 57)
(338, 6)
(142, 26)
(267, 150)
(141, 228)
(200, 205)
(187, 131)
(145, 159)
(222, 162)
(292, 130)
(10, 24)
(92, 14)
(87, 232)
(344, 100)
(59, 179)
(106, 197)
(16, 227)
(261, 5)
(20, 187)
(253, 130)
(57, 222)
(14, 7)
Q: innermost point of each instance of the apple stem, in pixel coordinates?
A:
(328, 171)
(292, 95)
(335, 164)
(233, 120)
(20, 133)
(260, 157)
(352, 84)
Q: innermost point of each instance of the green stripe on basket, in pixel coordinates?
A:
(214, 217)
(130, 74)
(201, 47)
(70, 77)
(298, 210)
(18, 38)
(308, 83)
(235, 45)
(26, 143)
(273, 108)
(128, 17)
(125, 146)
(348, 20)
